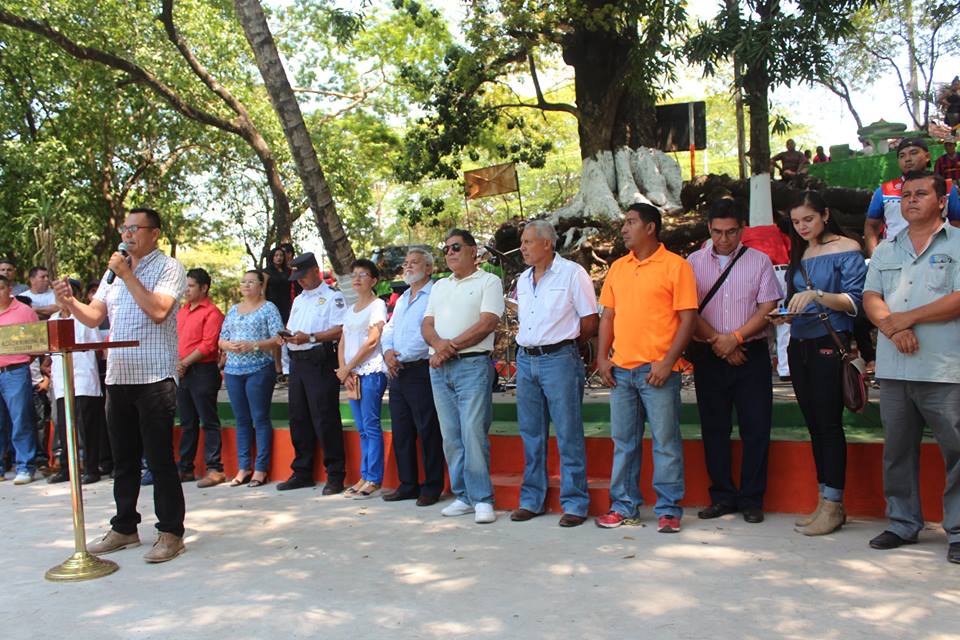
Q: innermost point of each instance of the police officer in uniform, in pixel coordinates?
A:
(315, 324)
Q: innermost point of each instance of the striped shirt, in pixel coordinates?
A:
(751, 283)
(156, 357)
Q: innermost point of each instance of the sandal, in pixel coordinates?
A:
(368, 491)
(258, 482)
(236, 482)
(355, 489)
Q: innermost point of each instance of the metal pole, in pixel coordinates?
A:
(81, 565)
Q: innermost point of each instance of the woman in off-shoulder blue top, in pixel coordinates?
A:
(826, 274)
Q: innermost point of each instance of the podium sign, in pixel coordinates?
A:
(30, 338)
(57, 336)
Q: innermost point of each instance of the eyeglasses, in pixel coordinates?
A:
(133, 228)
(359, 275)
(455, 247)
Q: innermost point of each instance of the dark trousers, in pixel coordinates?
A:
(86, 413)
(815, 369)
(862, 334)
(413, 414)
(314, 397)
(197, 405)
(41, 413)
(140, 424)
(721, 388)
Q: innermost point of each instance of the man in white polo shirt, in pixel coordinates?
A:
(557, 309)
(462, 314)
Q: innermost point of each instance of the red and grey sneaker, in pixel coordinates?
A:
(668, 524)
(610, 520)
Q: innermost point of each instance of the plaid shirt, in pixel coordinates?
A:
(156, 357)
(948, 166)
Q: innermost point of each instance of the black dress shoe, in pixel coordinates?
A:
(753, 515)
(58, 477)
(296, 482)
(187, 476)
(889, 540)
(522, 515)
(570, 520)
(715, 511)
(427, 501)
(953, 553)
(89, 478)
(396, 496)
(332, 487)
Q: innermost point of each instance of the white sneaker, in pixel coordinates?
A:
(456, 508)
(485, 513)
(23, 477)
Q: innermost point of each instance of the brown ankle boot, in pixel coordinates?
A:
(803, 521)
(828, 520)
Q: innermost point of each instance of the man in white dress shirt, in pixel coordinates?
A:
(557, 310)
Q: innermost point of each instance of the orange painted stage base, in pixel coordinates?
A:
(791, 486)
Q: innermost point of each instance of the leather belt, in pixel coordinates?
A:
(547, 348)
(416, 363)
(472, 354)
(13, 367)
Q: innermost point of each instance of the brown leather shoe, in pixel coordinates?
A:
(427, 501)
(570, 520)
(167, 547)
(522, 515)
(212, 479)
(113, 541)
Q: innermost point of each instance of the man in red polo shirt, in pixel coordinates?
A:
(16, 392)
(198, 330)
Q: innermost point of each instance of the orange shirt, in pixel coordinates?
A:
(647, 296)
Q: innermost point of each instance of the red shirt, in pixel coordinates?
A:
(199, 329)
(770, 240)
(16, 313)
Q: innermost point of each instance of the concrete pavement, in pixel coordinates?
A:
(264, 564)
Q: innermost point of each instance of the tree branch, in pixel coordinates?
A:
(541, 102)
(133, 70)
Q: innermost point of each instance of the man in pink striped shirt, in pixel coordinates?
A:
(731, 363)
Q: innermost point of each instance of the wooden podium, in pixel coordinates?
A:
(57, 336)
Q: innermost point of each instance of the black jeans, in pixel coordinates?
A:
(413, 414)
(86, 413)
(815, 368)
(140, 423)
(314, 397)
(197, 405)
(721, 387)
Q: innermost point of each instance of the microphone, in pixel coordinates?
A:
(122, 248)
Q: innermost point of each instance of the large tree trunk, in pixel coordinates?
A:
(257, 31)
(756, 85)
(614, 124)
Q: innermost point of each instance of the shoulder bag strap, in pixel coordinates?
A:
(823, 316)
(716, 285)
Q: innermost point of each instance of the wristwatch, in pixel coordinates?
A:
(819, 293)
(313, 339)
(256, 346)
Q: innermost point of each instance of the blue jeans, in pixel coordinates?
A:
(366, 415)
(632, 402)
(250, 396)
(16, 393)
(462, 391)
(550, 387)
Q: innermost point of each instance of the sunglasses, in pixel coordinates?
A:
(455, 248)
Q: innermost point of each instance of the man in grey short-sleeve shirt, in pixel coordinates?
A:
(912, 294)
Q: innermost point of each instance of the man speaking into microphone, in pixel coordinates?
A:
(141, 302)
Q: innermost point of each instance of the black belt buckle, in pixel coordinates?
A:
(547, 348)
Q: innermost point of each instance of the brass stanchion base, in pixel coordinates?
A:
(81, 566)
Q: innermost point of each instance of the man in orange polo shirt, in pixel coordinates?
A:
(649, 300)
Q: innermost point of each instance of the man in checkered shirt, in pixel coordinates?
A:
(141, 382)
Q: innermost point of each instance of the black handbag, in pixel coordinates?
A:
(855, 391)
(696, 350)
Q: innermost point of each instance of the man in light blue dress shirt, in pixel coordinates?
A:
(912, 294)
(412, 411)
